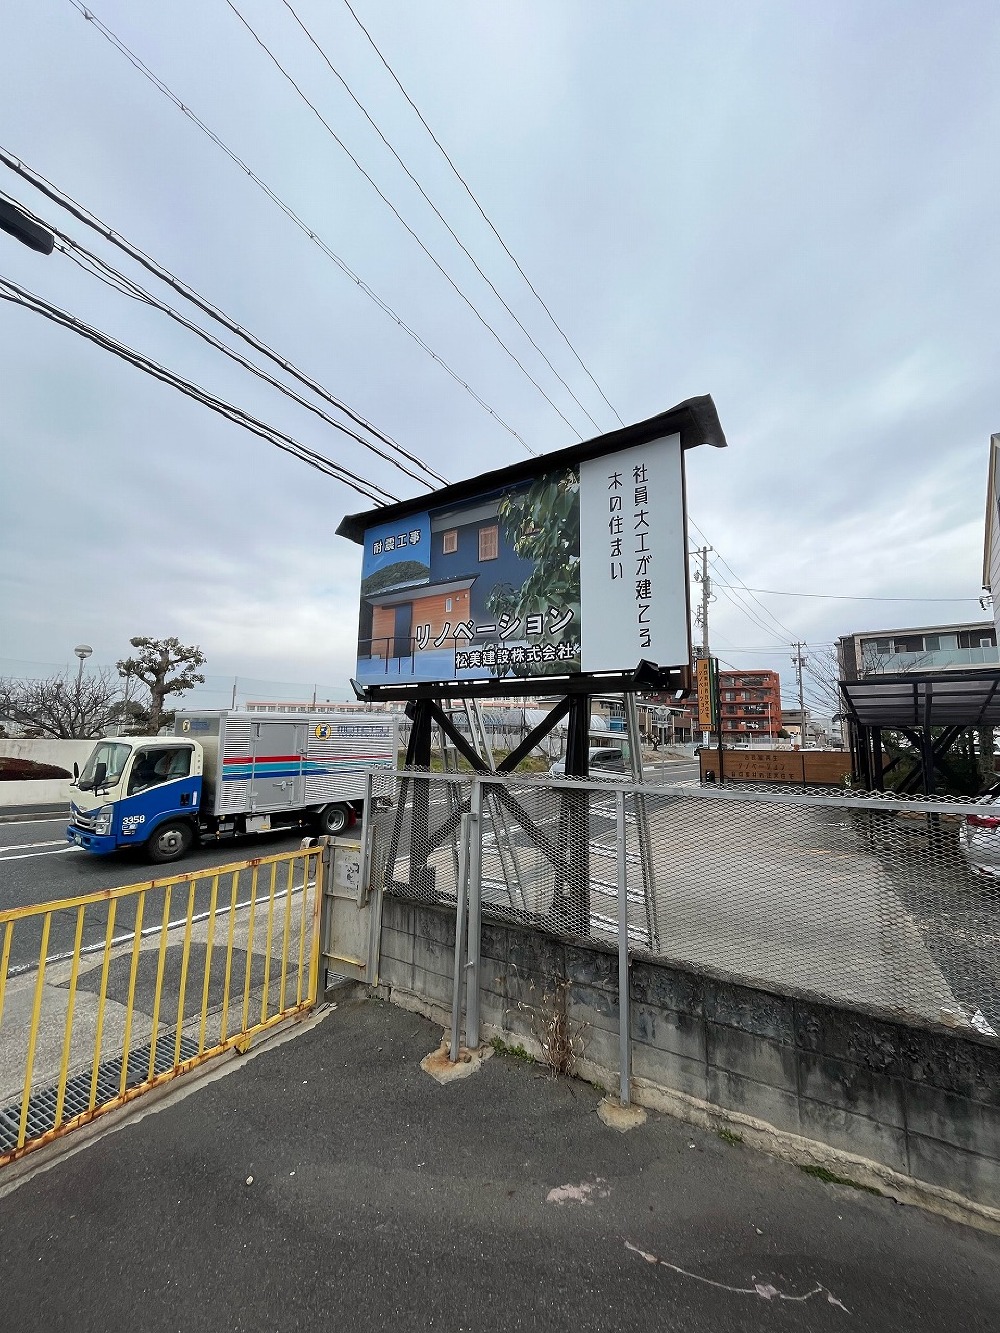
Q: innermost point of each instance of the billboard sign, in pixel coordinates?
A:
(580, 567)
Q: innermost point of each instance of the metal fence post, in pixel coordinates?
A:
(624, 985)
(324, 878)
(456, 1001)
(366, 820)
(475, 913)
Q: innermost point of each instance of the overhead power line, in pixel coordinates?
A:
(461, 179)
(293, 217)
(84, 215)
(430, 202)
(120, 282)
(463, 296)
(745, 609)
(781, 630)
(852, 597)
(17, 295)
(738, 601)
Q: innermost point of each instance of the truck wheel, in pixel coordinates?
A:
(169, 842)
(334, 819)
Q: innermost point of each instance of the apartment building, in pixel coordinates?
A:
(750, 705)
(924, 648)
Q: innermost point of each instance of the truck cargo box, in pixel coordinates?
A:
(258, 764)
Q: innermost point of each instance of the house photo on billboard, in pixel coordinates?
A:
(566, 565)
(443, 596)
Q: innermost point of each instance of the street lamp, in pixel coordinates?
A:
(83, 651)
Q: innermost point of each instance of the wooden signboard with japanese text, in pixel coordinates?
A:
(811, 768)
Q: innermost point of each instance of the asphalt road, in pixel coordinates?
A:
(37, 865)
(330, 1181)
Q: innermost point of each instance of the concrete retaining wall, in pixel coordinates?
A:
(46, 791)
(62, 753)
(911, 1110)
(50, 791)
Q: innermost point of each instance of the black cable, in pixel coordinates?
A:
(748, 613)
(399, 217)
(120, 282)
(482, 211)
(437, 212)
(84, 215)
(13, 292)
(851, 597)
(292, 216)
(783, 629)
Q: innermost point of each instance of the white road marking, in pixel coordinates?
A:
(52, 819)
(26, 856)
(23, 846)
(766, 1291)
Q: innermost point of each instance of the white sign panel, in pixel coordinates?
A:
(633, 558)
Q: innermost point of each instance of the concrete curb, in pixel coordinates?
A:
(39, 812)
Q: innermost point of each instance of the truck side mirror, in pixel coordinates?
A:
(100, 775)
(76, 771)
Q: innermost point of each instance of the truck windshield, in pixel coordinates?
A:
(162, 764)
(113, 756)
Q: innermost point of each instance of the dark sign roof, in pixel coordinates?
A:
(412, 592)
(947, 699)
(695, 420)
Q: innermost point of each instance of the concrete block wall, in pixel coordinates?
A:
(912, 1109)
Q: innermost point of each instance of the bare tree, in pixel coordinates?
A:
(164, 666)
(65, 707)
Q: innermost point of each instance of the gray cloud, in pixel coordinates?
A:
(788, 207)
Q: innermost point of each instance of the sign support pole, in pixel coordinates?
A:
(572, 901)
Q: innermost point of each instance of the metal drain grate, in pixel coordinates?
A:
(42, 1104)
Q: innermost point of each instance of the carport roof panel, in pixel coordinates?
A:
(956, 699)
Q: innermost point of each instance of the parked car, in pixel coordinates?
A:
(980, 838)
(601, 760)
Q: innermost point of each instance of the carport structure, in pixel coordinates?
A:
(950, 702)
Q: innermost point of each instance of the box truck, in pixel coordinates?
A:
(226, 772)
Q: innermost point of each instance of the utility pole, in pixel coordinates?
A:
(799, 662)
(702, 576)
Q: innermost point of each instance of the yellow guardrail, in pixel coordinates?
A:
(85, 1028)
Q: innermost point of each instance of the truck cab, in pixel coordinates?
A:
(138, 791)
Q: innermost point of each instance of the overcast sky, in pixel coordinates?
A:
(790, 206)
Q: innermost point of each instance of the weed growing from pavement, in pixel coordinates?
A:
(515, 1052)
(829, 1178)
(727, 1136)
(546, 1008)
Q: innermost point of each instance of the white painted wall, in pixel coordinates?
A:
(47, 791)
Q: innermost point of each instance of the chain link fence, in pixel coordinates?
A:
(887, 903)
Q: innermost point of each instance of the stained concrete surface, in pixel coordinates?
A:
(382, 1199)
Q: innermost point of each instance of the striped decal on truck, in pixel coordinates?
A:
(241, 767)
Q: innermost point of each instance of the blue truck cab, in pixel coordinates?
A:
(138, 791)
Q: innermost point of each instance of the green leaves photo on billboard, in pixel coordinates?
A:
(395, 575)
(542, 524)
